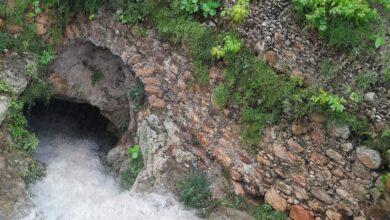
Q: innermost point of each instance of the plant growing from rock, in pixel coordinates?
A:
(327, 101)
(238, 12)
(136, 164)
(231, 45)
(195, 190)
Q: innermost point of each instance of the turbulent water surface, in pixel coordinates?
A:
(76, 186)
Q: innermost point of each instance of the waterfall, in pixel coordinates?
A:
(76, 187)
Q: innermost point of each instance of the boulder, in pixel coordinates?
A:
(297, 212)
(369, 157)
(275, 200)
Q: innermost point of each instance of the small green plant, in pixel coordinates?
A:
(136, 95)
(46, 57)
(209, 8)
(4, 87)
(266, 212)
(220, 96)
(328, 101)
(96, 75)
(238, 12)
(386, 75)
(231, 45)
(129, 176)
(195, 190)
(382, 183)
(365, 81)
(134, 151)
(190, 6)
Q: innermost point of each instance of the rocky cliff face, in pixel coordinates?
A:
(304, 166)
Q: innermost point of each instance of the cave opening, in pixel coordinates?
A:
(79, 120)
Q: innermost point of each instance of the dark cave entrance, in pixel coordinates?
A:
(77, 119)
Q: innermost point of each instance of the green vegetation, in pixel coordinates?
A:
(345, 24)
(238, 12)
(382, 183)
(46, 57)
(96, 75)
(382, 144)
(365, 81)
(136, 95)
(195, 190)
(328, 102)
(136, 164)
(4, 87)
(208, 7)
(220, 97)
(231, 45)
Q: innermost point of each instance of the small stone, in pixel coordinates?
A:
(153, 90)
(294, 146)
(296, 128)
(299, 179)
(275, 200)
(369, 157)
(316, 117)
(346, 147)
(238, 189)
(369, 96)
(270, 57)
(332, 215)
(318, 159)
(221, 155)
(341, 131)
(317, 136)
(1, 23)
(297, 212)
(236, 176)
(336, 156)
(321, 195)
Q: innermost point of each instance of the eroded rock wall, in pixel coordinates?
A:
(304, 166)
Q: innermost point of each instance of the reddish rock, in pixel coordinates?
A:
(299, 179)
(214, 73)
(1, 23)
(238, 189)
(221, 155)
(332, 215)
(297, 212)
(275, 200)
(236, 176)
(317, 135)
(156, 102)
(262, 160)
(316, 117)
(318, 159)
(294, 146)
(151, 81)
(278, 37)
(144, 72)
(336, 156)
(270, 57)
(41, 24)
(153, 90)
(338, 172)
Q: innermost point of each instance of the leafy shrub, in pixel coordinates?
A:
(382, 144)
(195, 190)
(365, 81)
(359, 126)
(386, 75)
(16, 127)
(328, 102)
(231, 45)
(46, 57)
(239, 11)
(342, 23)
(208, 7)
(129, 176)
(220, 97)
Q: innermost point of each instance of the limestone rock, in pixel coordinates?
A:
(369, 157)
(369, 96)
(297, 212)
(4, 101)
(275, 200)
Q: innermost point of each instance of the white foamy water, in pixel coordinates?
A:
(76, 187)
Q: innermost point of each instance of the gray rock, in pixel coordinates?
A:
(341, 131)
(336, 156)
(369, 96)
(4, 101)
(346, 147)
(369, 157)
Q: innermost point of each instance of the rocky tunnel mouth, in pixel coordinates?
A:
(80, 120)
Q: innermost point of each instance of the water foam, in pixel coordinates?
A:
(76, 187)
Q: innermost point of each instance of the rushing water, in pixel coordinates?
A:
(76, 186)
